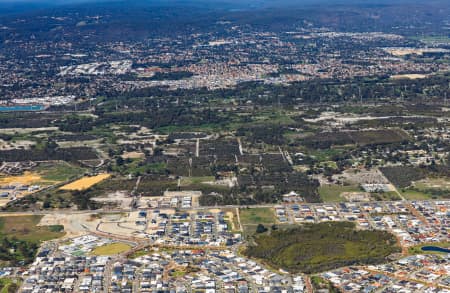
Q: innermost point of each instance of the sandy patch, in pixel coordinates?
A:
(133, 155)
(408, 76)
(85, 183)
(26, 179)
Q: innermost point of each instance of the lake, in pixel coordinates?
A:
(435, 248)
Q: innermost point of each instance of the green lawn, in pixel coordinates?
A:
(111, 249)
(186, 181)
(254, 216)
(332, 192)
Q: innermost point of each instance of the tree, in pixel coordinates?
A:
(261, 229)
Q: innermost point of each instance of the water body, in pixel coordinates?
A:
(435, 248)
(21, 108)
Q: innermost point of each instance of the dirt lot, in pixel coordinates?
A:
(357, 176)
(85, 183)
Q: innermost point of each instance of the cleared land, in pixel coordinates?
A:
(111, 249)
(433, 183)
(27, 178)
(332, 193)
(408, 76)
(26, 228)
(319, 247)
(85, 183)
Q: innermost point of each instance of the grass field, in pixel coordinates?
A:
(25, 228)
(414, 194)
(385, 196)
(59, 172)
(324, 155)
(111, 249)
(186, 181)
(85, 183)
(257, 216)
(332, 192)
(20, 238)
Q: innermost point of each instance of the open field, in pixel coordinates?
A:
(186, 181)
(410, 194)
(58, 172)
(26, 228)
(27, 178)
(433, 183)
(111, 249)
(20, 238)
(257, 216)
(332, 192)
(85, 183)
(320, 247)
(232, 219)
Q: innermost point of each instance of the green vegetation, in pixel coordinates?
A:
(111, 249)
(25, 228)
(412, 194)
(319, 247)
(320, 283)
(385, 196)
(186, 181)
(9, 285)
(59, 171)
(257, 216)
(332, 192)
(20, 238)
